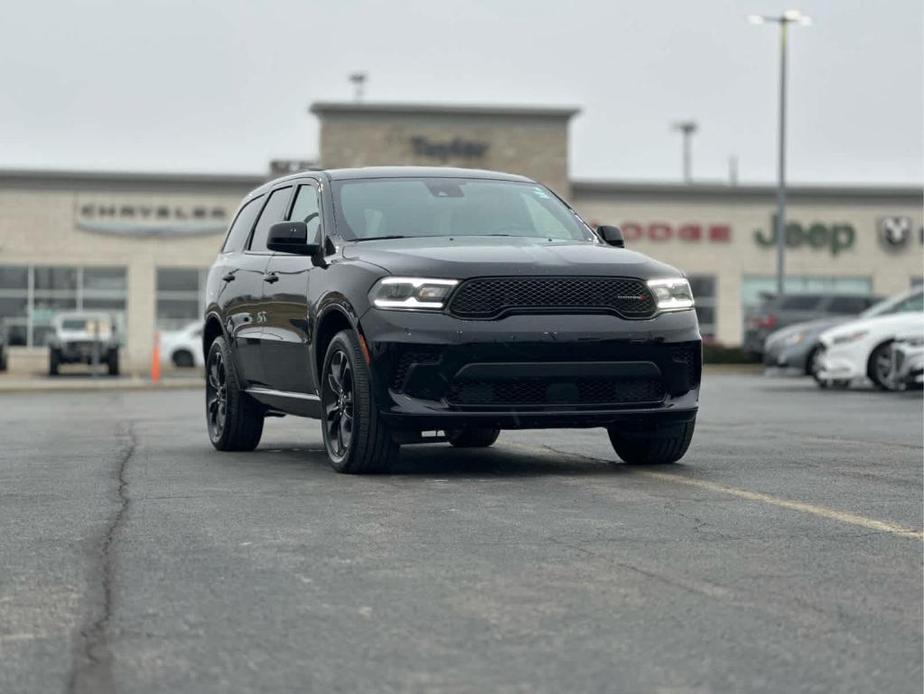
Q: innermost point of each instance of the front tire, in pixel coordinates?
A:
(235, 420)
(473, 437)
(879, 367)
(356, 438)
(657, 446)
(54, 362)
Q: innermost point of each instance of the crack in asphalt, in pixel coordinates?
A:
(91, 671)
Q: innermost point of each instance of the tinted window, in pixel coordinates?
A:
(240, 230)
(805, 302)
(306, 210)
(273, 212)
(452, 207)
(848, 304)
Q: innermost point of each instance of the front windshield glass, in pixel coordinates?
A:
(74, 324)
(897, 304)
(433, 207)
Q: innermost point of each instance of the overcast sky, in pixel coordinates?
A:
(223, 86)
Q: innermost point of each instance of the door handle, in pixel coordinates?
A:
(271, 278)
(229, 277)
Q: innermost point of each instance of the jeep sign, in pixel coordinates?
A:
(833, 237)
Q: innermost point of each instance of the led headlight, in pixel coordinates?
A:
(411, 292)
(793, 339)
(672, 294)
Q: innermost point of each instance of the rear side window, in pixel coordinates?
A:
(242, 225)
(848, 304)
(274, 211)
(805, 302)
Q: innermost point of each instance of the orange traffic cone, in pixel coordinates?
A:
(155, 359)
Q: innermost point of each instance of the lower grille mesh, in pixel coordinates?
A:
(581, 391)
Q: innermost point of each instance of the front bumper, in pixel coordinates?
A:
(842, 363)
(82, 352)
(434, 371)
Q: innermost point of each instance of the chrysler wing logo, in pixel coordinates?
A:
(147, 219)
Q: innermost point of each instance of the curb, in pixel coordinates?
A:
(84, 386)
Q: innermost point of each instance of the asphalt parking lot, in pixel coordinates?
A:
(783, 555)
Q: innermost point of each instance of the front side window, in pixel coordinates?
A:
(273, 212)
(442, 207)
(306, 209)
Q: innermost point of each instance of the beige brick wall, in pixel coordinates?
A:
(534, 146)
(38, 227)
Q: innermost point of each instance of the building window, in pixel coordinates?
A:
(756, 288)
(180, 296)
(31, 296)
(704, 292)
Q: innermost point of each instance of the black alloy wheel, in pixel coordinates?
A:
(234, 419)
(337, 401)
(216, 395)
(355, 437)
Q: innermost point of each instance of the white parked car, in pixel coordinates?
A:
(183, 348)
(863, 348)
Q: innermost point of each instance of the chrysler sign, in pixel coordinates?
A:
(130, 218)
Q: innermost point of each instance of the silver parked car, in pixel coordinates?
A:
(797, 346)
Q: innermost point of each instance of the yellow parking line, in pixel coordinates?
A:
(813, 509)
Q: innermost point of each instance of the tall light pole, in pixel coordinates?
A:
(783, 20)
(687, 128)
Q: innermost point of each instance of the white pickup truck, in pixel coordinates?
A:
(84, 338)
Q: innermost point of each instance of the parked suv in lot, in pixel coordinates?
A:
(402, 305)
(84, 338)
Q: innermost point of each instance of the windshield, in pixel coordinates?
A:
(74, 324)
(897, 304)
(430, 207)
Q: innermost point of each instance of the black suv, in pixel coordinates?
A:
(405, 305)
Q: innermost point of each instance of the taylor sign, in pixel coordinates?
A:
(131, 218)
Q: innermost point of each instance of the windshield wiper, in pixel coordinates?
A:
(382, 238)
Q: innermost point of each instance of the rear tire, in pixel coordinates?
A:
(183, 359)
(234, 419)
(472, 437)
(658, 446)
(355, 437)
(54, 362)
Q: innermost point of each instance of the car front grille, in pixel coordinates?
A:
(491, 297)
(542, 392)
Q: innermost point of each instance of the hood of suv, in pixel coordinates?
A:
(461, 258)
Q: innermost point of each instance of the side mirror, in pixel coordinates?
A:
(291, 237)
(612, 236)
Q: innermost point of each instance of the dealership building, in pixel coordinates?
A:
(138, 245)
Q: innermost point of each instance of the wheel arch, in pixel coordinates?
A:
(213, 328)
(333, 318)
